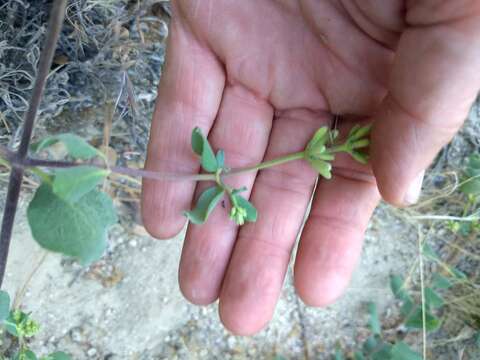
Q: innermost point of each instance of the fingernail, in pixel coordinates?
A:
(413, 193)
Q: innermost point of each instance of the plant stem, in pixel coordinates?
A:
(266, 164)
(16, 175)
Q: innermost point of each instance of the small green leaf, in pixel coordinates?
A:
(428, 251)
(318, 140)
(338, 353)
(205, 205)
(358, 132)
(4, 305)
(441, 282)
(471, 186)
(374, 320)
(76, 146)
(59, 355)
(433, 299)
(361, 157)
(370, 344)
(202, 148)
(397, 285)
(220, 159)
(252, 213)
(460, 275)
(357, 355)
(72, 183)
(407, 307)
(401, 351)
(473, 165)
(323, 168)
(25, 355)
(383, 352)
(78, 230)
(358, 144)
(415, 320)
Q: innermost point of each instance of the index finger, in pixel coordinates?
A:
(189, 95)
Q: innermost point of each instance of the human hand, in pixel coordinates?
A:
(260, 77)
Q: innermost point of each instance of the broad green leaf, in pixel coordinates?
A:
(374, 321)
(72, 183)
(440, 282)
(252, 213)
(4, 305)
(59, 355)
(76, 146)
(202, 148)
(415, 320)
(433, 299)
(323, 168)
(78, 230)
(401, 351)
(25, 355)
(205, 205)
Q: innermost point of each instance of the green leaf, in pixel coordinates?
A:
(370, 344)
(338, 353)
(205, 205)
(473, 165)
(357, 355)
(252, 213)
(401, 351)
(415, 320)
(397, 285)
(407, 307)
(374, 320)
(433, 299)
(471, 186)
(358, 132)
(202, 148)
(361, 157)
(25, 355)
(318, 140)
(460, 275)
(383, 352)
(78, 230)
(76, 146)
(73, 183)
(59, 355)
(428, 251)
(440, 282)
(4, 305)
(323, 168)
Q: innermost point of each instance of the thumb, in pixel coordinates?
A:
(434, 81)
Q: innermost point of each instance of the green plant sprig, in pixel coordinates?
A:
(319, 152)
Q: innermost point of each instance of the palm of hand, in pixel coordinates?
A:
(260, 79)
